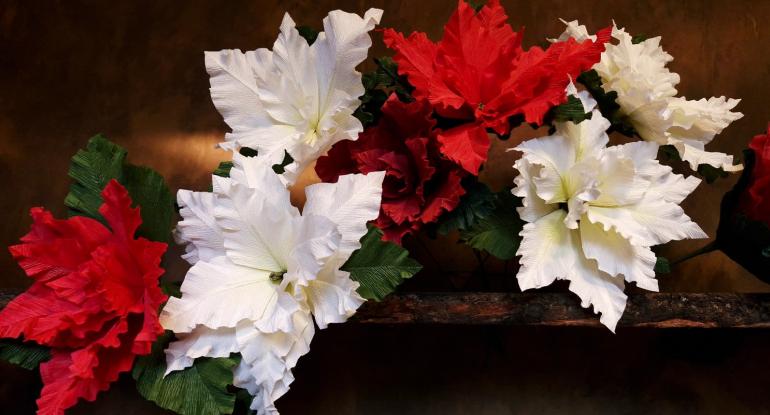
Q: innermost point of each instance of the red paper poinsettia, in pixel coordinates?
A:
(94, 300)
(478, 73)
(756, 201)
(419, 183)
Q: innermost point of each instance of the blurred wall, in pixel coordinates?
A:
(134, 71)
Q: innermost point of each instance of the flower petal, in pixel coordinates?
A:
(532, 206)
(467, 145)
(617, 257)
(350, 203)
(198, 228)
(201, 342)
(219, 293)
(547, 251)
(652, 221)
(267, 360)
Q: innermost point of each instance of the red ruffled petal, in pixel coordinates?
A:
(466, 145)
(756, 201)
(478, 74)
(94, 301)
(419, 182)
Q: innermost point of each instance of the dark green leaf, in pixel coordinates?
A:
(101, 161)
(498, 233)
(287, 159)
(378, 85)
(308, 33)
(477, 4)
(379, 266)
(25, 354)
(477, 203)
(199, 389)
(669, 153)
(148, 190)
(639, 38)
(662, 266)
(606, 103)
(223, 170)
(91, 169)
(572, 110)
(711, 173)
(248, 152)
(172, 288)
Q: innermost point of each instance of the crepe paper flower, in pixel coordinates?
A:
(298, 98)
(479, 76)
(261, 270)
(593, 212)
(646, 90)
(755, 202)
(420, 184)
(94, 298)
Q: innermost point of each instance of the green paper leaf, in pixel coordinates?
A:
(200, 389)
(476, 5)
(477, 203)
(711, 173)
(148, 190)
(101, 161)
(639, 38)
(572, 110)
(606, 101)
(223, 170)
(498, 233)
(662, 265)
(378, 85)
(25, 354)
(91, 169)
(287, 159)
(308, 33)
(379, 266)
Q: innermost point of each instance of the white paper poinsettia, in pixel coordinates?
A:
(592, 213)
(298, 98)
(646, 90)
(263, 273)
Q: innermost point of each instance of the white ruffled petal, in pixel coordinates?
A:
(267, 360)
(617, 257)
(316, 240)
(201, 342)
(693, 153)
(574, 30)
(234, 90)
(296, 98)
(198, 229)
(532, 206)
(257, 233)
(333, 297)
(350, 203)
(219, 293)
(652, 221)
(547, 251)
(598, 289)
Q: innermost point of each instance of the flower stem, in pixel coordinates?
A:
(710, 247)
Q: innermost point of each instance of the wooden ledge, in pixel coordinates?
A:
(653, 310)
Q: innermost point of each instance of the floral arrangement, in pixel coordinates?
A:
(398, 151)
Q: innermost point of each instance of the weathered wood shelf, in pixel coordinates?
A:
(655, 310)
(652, 310)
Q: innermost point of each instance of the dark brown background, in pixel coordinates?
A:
(134, 71)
